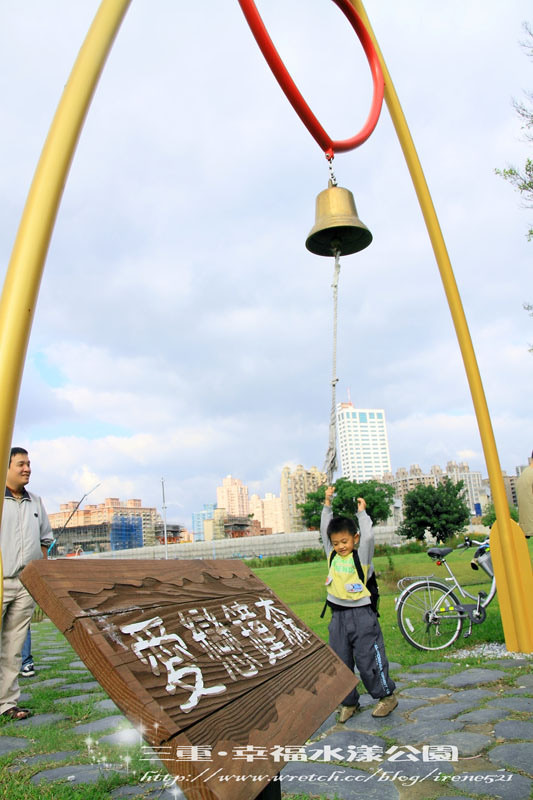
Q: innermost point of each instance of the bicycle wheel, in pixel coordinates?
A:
(428, 616)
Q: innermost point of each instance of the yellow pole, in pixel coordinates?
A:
(511, 556)
(23, 278)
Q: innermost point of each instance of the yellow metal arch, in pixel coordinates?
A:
(21, 288)
(25, 269)
(511, 560)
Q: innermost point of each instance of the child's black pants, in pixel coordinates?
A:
(355, 635)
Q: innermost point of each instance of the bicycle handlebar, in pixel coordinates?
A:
(468, 542)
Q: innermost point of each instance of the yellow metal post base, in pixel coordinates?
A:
(517, 622)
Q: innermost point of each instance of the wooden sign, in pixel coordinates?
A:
(216, 671)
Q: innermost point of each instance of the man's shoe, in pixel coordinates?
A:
(27, 671)
(385, 706)
(347, 711)
(16, 713)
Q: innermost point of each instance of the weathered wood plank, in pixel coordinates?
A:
(197, 653)
(278, 718)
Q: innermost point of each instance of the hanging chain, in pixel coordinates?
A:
(332, 177)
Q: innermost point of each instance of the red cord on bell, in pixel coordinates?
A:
(296, 99)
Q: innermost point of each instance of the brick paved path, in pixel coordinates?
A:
(458, 731)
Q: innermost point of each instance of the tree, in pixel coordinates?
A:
(522, 179)
(437, 510)
(378, 497)
(489, 517)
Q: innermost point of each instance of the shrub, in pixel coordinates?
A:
(301, 557)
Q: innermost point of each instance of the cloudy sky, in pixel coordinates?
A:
(182, 329)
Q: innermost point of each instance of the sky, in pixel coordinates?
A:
(183, 332)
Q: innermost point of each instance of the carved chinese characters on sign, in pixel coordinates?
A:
(202, 657)
(170, 651)
(242, 637)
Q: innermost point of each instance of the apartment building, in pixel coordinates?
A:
(295, 486)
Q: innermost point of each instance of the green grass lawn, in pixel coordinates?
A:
(301, 586)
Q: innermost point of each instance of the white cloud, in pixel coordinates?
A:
(182, 329)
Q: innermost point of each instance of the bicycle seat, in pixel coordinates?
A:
(439, 552)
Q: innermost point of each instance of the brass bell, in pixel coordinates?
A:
(337, 227)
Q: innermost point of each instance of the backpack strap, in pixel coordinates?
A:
(330, 559)
(358, 566)
(371, 584)
(356, 561)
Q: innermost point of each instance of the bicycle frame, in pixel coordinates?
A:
(431, 610)
(463, 592)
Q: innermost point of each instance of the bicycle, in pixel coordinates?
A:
(430, 616)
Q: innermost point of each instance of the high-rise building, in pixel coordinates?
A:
(295, 486)
(363, 442)
(268, 511)
(198, 518)
(233, 497)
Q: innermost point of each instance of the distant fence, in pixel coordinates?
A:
(276, 544)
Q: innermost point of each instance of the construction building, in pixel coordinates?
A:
(237, 527)
(125, 532)
(214, 527)
(176, 534)
(128, 522)
(78, 539)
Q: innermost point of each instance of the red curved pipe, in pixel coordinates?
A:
(296, 99)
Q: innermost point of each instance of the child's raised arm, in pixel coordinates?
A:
(330, 491)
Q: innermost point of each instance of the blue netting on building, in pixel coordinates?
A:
(126, 532)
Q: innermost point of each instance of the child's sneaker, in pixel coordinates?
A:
(385, 706)
(346, 712)
(27, 671)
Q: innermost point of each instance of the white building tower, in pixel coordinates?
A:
(363, 442)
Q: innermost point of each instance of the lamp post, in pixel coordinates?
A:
(164, 507)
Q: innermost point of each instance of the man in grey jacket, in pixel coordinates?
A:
(25, 534)
(524, 496)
